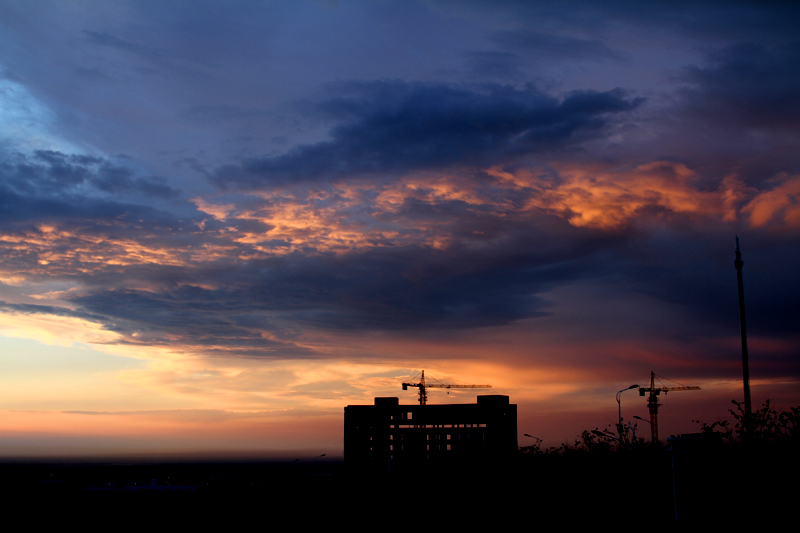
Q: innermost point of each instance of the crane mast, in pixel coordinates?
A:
(652, 402)
(423, 387)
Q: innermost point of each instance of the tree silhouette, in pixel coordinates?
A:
(768, 424)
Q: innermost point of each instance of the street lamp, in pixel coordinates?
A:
(619, 408)
(643, 420)
(538, 445)
(605, 435)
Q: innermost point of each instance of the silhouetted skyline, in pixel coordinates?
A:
(221, 222)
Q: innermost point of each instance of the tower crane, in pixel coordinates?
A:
(423, 394)
(652, 402)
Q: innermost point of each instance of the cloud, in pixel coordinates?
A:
(780, 205)
(252, 276)
(80, 218)
(748, 85)
(420, 213)
(51, 310)
(394, 126)
(55, 174)
(401, 289)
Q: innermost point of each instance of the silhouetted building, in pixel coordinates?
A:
(390, 435)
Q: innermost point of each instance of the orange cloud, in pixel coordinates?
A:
(780, 206)
(605, 197)
(356, 216)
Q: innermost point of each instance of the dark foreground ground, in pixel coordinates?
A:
(720, 487)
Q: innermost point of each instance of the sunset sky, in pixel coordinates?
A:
(223, 221)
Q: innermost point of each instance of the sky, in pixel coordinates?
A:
(223, 221)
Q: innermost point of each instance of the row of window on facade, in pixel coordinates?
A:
(428, 448)
(439, 437)
(438, 426)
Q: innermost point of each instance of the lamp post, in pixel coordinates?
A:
(619, 409)
(643, 420)
(748, 411)
(604, 435)
(538, 445)
(620, 444)
(618, 479)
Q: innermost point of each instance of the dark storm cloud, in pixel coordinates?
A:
(749, 85)
(20, 210)
(385, 127)
(31, 309)
(496, 271)
(385, 288)
(380, 289)
(67, 216)
(259, 304)
(172, 317)
(208, 320)
(51, 173)
(493, 275)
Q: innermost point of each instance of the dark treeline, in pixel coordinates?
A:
(768, 426)
(771, 429)
(716, 476)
